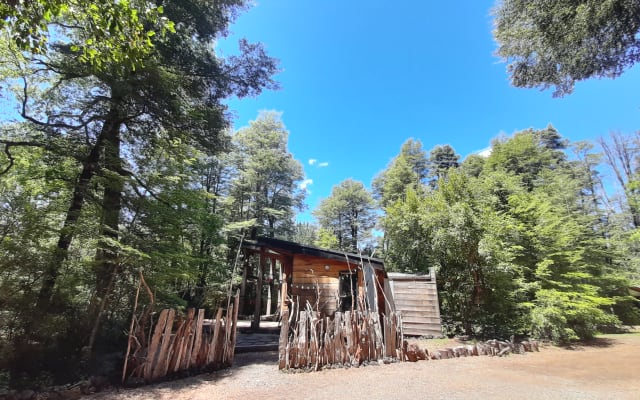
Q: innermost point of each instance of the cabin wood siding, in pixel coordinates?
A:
(313, 275)
(312, 282)
(416, 297)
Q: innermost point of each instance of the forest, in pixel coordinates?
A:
(121, 160)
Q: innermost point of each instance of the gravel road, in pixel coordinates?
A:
(608, 368)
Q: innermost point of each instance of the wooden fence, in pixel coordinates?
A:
(351, 338)
(181, 343)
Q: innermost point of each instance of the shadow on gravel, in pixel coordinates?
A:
(262, 357)
(185, 382)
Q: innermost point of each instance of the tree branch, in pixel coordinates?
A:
(7, 151)
(25, 115)
(10, 158)
(126, 172)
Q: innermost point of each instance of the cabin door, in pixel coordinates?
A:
(348, 291)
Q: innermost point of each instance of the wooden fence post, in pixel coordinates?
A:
(284, 340)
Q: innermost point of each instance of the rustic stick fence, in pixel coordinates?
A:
(181, 343)
(312, 342)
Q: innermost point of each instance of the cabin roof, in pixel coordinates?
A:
(284, 247)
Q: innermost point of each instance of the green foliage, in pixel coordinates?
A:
(559, 42)
(111, 31)
(305, 233)
(326, 239)
(407, 170)
(526, 154)
(391, 185)
(265, 185)
(110, 171)
(473, 165)
(405, 233)
(441, 159)
(518, 241)
(566, 315)
(347, 214)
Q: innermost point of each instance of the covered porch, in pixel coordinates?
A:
(277, 272)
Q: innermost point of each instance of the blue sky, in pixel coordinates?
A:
(360, 77)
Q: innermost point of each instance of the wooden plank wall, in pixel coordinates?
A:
(416, 297)
(311, 278)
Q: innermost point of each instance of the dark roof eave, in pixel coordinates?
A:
(297, 248)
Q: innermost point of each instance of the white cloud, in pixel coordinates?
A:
(485, 152)
(305, 183)
(314, 162)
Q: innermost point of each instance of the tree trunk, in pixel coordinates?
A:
(106, 261)
(60, 252)
(106, 267)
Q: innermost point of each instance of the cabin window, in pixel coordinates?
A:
(348, 291)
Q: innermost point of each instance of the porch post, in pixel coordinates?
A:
(255, 324)
(270, 285)
(286, 268)
(243, 287)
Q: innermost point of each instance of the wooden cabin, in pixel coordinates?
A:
(416, 297)
(328, 280)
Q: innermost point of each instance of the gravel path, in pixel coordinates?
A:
(605, 369)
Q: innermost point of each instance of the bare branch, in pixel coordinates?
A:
(23, 112)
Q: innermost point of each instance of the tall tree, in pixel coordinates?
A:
(103, 123)
(525, 155)
(455, 229)
(406, 171)
(304, 233)
(441, 160)
(622, 155)
(473, 164)
(586, 167)
(559, 42)
(394, 182)
(622, 213)
(407, 247)
(266, 185)
(570, 275)
(560, 248)
(520, 247)
(348, 213)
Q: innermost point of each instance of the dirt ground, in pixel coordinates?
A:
(607, 368)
